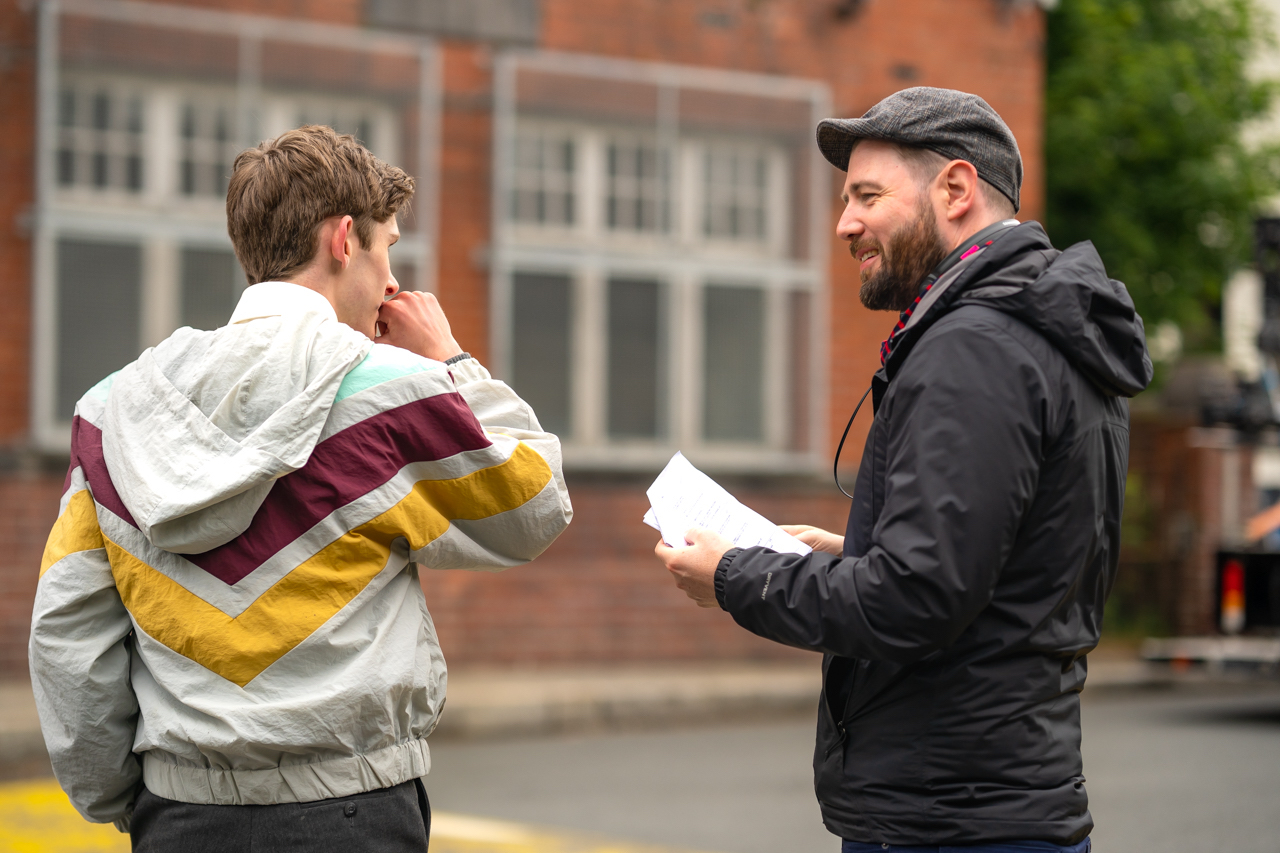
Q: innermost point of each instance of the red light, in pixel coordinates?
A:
(1232, 577)
(1232, 613)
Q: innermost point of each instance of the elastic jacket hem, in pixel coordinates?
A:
(286, 783)
(895, 829)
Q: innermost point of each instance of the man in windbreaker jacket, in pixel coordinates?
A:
(230, 648)
(956, 612)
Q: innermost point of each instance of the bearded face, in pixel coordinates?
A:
(912, 253)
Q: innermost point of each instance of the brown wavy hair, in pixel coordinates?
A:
(284, 188)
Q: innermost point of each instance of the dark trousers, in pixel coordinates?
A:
(389, 820)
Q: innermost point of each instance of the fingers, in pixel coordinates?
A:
(796, 529)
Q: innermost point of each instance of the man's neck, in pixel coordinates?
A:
(976, 238)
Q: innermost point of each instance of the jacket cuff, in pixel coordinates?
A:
(468, 370)
(722, 575)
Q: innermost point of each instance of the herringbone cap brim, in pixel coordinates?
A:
(957, 125)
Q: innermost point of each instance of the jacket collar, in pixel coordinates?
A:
(277, 299)
(947, 269)
(970, 262)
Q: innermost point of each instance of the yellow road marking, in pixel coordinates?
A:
(37, 817)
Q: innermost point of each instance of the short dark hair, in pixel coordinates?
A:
(925, 164)
(284, 188)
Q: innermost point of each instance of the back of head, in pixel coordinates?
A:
(282, 190)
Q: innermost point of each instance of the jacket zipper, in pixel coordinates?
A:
(844, 712)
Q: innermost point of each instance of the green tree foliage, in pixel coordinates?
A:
(1145, 103)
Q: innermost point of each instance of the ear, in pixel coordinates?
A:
(959, 181)
(341, 241)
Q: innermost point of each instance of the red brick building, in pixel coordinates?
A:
(620, 206)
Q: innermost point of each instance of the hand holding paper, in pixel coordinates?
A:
(683, 497)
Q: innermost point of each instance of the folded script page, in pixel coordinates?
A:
(683, 497)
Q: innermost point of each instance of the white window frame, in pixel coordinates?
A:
(161, 219)
(683, 258)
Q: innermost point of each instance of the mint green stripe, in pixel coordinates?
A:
(382, 364)
(100, 391)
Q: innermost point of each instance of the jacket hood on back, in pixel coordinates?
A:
(1065, 296)
(197, 430)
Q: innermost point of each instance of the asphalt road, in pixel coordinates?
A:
(1191, 770)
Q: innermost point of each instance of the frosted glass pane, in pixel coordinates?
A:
(734, 364)
(541, 346)
(637, 363)
(99, 294)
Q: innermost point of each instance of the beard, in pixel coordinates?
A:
(913, 251)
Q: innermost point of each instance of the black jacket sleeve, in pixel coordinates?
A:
(964, 429)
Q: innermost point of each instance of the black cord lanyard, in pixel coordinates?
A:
(835, 468)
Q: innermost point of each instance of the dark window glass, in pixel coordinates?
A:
(798, 378)
(133, 172)
(101, 111)
(637, 364)
(541, 346)
(211, 285)
(733, 378)
(67, 107)
(100, 174)
(99, 293)
(66, 167)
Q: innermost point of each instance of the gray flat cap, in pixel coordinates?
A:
(957, 125)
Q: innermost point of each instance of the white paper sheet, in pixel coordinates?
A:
(683, 497)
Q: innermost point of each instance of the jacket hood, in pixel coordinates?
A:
(1065, 296)
(197, 430)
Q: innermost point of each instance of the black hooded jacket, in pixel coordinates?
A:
(981, 545)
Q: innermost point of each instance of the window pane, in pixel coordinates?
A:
(99, 292)
(637, 367)
(207, 146)
(100, 138)
(542, 191)
(637, 197)
(800, 304)
(541, 347)
(737, 183)
(734, 363)
(211, 285)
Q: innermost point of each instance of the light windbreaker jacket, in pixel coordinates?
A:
(229, 609)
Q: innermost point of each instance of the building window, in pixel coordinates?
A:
(733, 363)
(637, 386)
(542, 347)
(100, 138)
(99, 301)
(542, 190)
(208, 149)
(211, 285)
(735, 193)
(139, 129)
(654, 287)
(636, 198)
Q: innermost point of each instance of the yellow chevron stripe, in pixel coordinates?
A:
(240, 648)
(75, 530)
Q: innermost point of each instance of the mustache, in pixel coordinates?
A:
(855, 248)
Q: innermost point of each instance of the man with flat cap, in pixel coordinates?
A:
(956, 612)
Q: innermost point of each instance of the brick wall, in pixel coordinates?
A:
(28, 507)
(599, 594)
(17, 190)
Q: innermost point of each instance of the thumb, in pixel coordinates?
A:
(693, 535)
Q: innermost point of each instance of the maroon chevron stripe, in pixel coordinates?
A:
(86, 451)
(342, 468)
